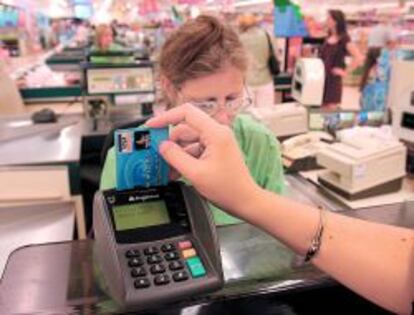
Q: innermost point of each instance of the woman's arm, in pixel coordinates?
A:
(357, 56)
(357, 60)
(374, 260)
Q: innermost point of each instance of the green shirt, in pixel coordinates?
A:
(113, 48)
(261, 153)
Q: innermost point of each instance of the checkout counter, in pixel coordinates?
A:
(38, 151)
(66, 276)
(42, 85)
(58, 76)
(55, 77)
(67, 59)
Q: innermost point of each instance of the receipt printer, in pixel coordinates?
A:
(364, 167)
(156, 245)
(287, 119)
(308, 81)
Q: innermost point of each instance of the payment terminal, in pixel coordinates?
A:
(156, 245)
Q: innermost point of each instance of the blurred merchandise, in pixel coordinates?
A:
(42, 76)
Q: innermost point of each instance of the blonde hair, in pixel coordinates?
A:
(100, 31)
(200, 47)
(246, 21)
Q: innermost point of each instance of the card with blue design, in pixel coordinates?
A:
(138, 162)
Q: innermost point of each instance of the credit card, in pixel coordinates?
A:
(138, 162)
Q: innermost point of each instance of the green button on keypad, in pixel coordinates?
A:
(196, 267)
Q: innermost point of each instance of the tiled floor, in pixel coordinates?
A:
(350, 98)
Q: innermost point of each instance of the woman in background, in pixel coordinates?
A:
(104, 39)
(258, 77)
(371, 87)
(336, 47)
(104, 43)
(376, 75)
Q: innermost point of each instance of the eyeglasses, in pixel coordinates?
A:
(235, 106)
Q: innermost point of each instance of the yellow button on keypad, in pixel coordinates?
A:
(189, 253)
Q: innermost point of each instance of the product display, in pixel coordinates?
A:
(43, 76)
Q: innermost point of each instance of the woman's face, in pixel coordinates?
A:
(220, 88)
(106, 39)
(330, 23)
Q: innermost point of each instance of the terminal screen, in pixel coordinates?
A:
(408, 121)
(298, 86)
(139, 215)
(120, 80)
(316, 121)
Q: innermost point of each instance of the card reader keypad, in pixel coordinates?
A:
(135, 262)
(165, 264)
(138, 272)
(160, 268)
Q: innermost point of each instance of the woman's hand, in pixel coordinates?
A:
(338, 72)
(206, 153)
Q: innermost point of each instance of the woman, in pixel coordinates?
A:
(259, 79)
(204, 63)
(372, 86)
(377, 75)
(375, 260)
(333, 52)
(104, 43)
(104, 39)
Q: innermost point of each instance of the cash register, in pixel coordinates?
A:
(363, 167)
(283, 120)
(129, 86)
(155, 243)
(308, 82)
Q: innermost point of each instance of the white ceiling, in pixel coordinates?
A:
(48, 7)
(63, 7)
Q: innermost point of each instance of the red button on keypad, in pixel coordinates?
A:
(185, 245)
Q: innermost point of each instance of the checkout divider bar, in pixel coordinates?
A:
(313, 193)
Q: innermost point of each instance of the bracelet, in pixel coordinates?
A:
(316, 240)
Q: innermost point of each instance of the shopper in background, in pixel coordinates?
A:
(104, 39)
(204, 63)
(114, 27)
(258, 78)
(380, 34)
(373, 259)
(82, 33)
(104, 43)
(54, 34)
(159, 37)
(371, 87)
(377, 74)
(135, 38)
(333, 52)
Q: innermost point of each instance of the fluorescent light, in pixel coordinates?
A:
(251, 2)
(102, 14)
